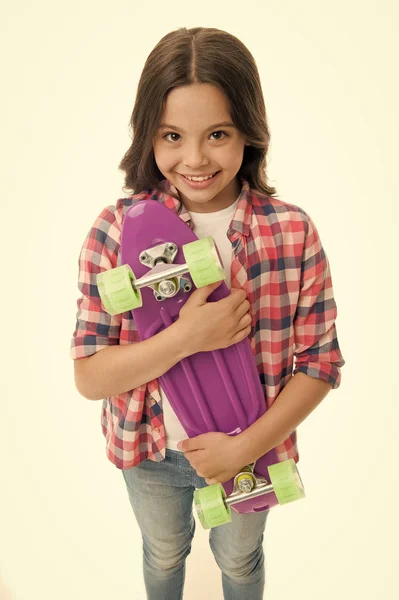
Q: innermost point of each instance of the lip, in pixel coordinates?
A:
(199, 185)
(201, 175)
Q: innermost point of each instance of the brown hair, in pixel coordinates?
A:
(198, 55)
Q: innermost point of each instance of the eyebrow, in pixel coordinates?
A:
(223, 124)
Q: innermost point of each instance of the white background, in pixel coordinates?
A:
(69, 77)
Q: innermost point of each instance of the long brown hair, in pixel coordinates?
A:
(198, 55)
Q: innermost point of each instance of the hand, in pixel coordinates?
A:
(214, 456)
(207, 326)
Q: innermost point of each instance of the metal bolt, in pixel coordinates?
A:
(185, 284)
(167, 288)
(246, 485)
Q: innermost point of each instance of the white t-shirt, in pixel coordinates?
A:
(216, 225)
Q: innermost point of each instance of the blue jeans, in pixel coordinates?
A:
(161, 495)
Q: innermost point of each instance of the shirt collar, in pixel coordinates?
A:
(241, 221)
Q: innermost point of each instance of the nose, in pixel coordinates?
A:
(194, 157)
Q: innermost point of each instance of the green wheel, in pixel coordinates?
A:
(203, 262)
(117, 291)
(210, 506)
(286, 481)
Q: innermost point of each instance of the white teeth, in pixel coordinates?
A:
(199, 178)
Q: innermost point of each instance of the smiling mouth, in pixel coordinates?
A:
(200, 176)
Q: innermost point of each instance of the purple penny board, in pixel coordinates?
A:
(209, 391)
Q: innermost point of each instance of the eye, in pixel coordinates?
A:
(218, 139)
(222, 132)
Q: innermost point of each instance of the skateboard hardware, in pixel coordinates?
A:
(165, 253)
(245, 480)
(260, 489)
(213, 505)
(165, 282)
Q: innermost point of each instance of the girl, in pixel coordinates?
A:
(200, 147)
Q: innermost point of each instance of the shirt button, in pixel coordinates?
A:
(157, 429)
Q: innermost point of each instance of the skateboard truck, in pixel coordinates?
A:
(213, 504)
(165, 281)
(165, 253)
(120, 290)
(247, 485)
(245, 480)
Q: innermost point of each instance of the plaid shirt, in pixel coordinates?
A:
(277, 259)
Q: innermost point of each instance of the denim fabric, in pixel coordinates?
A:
(161, 495)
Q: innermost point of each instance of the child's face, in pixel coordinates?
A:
(195, 149)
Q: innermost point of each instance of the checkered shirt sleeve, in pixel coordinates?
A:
(96, 329)
(317, 352)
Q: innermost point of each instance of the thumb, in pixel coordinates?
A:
(200, 295)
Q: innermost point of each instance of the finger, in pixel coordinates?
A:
(241, 335)
(235, 297)
(245, 321)
(242, 309)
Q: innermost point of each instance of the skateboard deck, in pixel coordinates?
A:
(209, 391)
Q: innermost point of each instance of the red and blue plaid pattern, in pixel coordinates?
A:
(278, 260)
